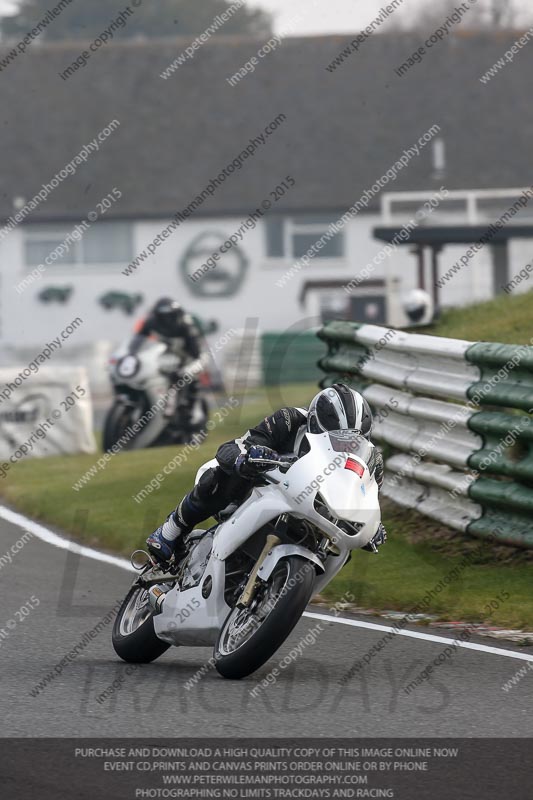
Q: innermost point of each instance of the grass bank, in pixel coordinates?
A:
(507, 319)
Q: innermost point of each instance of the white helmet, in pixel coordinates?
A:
(339, 408)
(418, 307)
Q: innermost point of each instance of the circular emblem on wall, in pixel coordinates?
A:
(208, 272)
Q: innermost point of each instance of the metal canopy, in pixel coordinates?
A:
(454, 234)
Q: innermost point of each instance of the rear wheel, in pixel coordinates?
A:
(250, 636)
(134, 637)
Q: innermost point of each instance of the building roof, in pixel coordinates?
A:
(343, 129)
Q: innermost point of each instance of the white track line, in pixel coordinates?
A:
(483, 648)
(49, 537)
(54, 539)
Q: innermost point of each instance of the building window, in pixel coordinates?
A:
(109, 243)
(292, 237)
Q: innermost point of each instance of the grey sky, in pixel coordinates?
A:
(325, 15)
(317, 16)
(322, 16)
(335, 16)
(305, 17)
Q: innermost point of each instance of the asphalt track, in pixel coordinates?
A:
(463, 698)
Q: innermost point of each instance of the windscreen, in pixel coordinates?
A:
(353, 443)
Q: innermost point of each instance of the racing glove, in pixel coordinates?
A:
(248, 469)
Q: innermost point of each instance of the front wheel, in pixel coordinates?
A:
(134, 637)
(250, 636)
(119, 418)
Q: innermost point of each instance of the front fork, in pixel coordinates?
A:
(250, 589)
(252, 584)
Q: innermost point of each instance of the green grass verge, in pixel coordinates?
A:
(418, 554)
(505, 319)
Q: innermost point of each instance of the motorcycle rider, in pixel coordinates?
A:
(242, 460)
(178, 330)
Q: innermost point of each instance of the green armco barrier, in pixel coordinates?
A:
(339, 331)
(506, 527)
(506, 375)
(491, 354)
(507, 444)
(506, 395)
(497, 423)
(496, 378)
(343, 362)
(502, 494)
(345, 353)
(485, 461)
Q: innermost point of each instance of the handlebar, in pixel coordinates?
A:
(283, 466)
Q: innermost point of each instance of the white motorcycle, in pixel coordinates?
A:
(244, 583)
(147, 406)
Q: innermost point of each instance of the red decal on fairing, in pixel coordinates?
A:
(355, 466)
